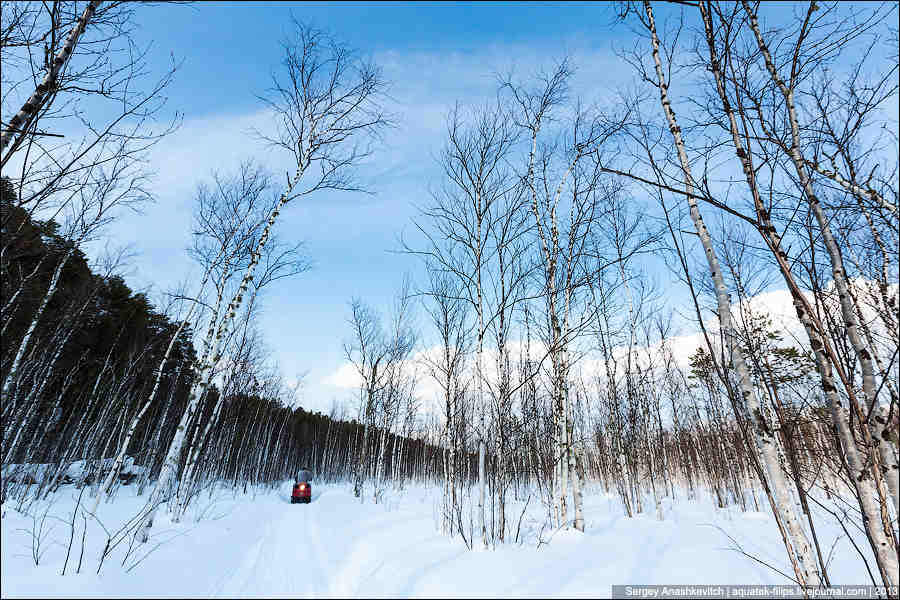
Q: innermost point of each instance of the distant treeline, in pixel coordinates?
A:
(92, 348)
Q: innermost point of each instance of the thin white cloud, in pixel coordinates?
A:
(777, 305)
(424, 86)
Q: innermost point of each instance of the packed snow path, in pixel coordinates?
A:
(334, 546)
(339, 547)
(261, 545)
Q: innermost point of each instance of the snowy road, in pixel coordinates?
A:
(339, 547)
(293, 556)
(333, 547)
(260, 545)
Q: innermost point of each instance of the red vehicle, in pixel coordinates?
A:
(302, 491)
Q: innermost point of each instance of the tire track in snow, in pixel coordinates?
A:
(293, 555)
(333, 547)
(236, 584)
(276, 565)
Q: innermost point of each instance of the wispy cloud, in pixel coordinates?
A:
(777, 305)
(349, 236)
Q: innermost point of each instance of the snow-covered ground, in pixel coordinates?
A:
(262, 546)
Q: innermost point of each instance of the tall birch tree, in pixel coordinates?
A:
(326, 106)
(766, 441)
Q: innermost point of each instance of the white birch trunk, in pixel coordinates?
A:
(34, 102)
(767, 442)
(882, 544)
(9, 382)
(204, 377)
(877, 424)
(379, 464)
(11, 303)
(451, 429)
(479, 374)
(193, 450)
(120, 457)
(577, 497)
(193, 455)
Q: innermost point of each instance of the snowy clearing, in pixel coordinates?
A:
(260, 545)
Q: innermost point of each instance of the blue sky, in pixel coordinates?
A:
(432, 55)
(230, 48)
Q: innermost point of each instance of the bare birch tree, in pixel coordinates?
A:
(448, 315)
(463, 213)
(564, 189)
(326, 109)
(766, 441)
